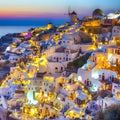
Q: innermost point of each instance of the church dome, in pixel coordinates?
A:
(98, 12)
(118, 18)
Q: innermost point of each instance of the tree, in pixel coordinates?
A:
(78, 62)
(110, 113)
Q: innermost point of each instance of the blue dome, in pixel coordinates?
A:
(118, 18)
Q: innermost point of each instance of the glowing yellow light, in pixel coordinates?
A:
(45, 95)
(82, 87)
(49, 78)
(109, 55)
(86, 91)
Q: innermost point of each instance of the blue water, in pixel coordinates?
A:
(21, 25)
(32, 22)
(14, 29)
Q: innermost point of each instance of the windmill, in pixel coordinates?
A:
(73, 15)
(69, 13)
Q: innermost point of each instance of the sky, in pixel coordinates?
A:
(51, 10)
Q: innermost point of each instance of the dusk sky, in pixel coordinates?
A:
(52, 9)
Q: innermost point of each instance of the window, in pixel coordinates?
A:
(113, 90)
(40, 82)
(105, 50)
(56, 68)
(105, 104)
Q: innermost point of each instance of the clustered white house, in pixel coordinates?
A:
(58, 56)
(113, 15)
(108, 101)
(18, 50)
(70, 93)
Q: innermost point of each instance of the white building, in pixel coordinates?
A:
(81, 96)
(116, 31)
(113, 16)
(13, 58)
(53, 67)
(107, 101)
(83, 75)
(116, 89)
(8, 89)
(97, 74)
(35, 86)
(114, 54)
(49, 84)
(8, 49)
(70, 38)
(67, 39)
(62, 55)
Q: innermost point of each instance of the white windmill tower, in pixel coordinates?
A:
(73, 15)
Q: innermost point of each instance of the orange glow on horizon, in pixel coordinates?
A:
(12, 14)
(25, 13)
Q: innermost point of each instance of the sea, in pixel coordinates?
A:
(14, 29)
